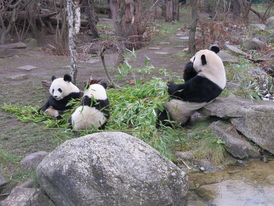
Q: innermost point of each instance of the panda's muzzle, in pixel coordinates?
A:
(57, 98)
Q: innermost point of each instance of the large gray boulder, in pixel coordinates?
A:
(254, 44)
(111, 168)
(235, 144)
(254, 119)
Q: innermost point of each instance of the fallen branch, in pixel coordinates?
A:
(112, 83)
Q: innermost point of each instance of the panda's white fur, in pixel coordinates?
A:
(214, 68)
(91, 115)
(61, 90)
(52, 112)
(61, 87)
(181, 111)
(204, 81)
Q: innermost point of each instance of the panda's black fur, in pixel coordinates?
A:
(189, 72)
(94, 111)
(62, 90)
(204, 78)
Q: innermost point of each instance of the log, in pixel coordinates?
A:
(17, 45)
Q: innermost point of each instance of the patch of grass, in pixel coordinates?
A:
(205, 144)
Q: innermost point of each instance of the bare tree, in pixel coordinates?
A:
(172, 10)
(4, 6)
(92, 18)
(192, 30)
(131, 23)
(74, 23)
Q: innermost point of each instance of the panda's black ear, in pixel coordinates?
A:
(216, 49)
(104, 84)
(53, 77)
(67, 78)
(203, 59)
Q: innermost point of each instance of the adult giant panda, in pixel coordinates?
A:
(94, 111)
(205, 79)
(61, 90)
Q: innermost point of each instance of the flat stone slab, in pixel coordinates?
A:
(27, 67)
(164, 43)
(184, 37)
(17, 76)
(154, 48)
(161, 52)
(92, 61)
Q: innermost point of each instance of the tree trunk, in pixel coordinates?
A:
(236, 10)
(73, 14)
(92, 18)
(192, 31)
(113, 8)
(172, 10)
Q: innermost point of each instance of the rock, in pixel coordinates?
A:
(254, 44)
(261, 27)
(26, 197)
(227, 57)
(270, 22)
(30, 162)
(111, 168)
(235, 50)
(154, 48)
(236, 40)
(208, 192)
(31, 43)
(234, 143)
(270, 179)
(17, 76)
(161, 53)
(27, 67)
(254, 119)
(2, 182)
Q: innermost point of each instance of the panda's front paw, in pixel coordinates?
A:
(169, 83)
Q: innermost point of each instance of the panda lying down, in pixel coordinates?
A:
(205, 79)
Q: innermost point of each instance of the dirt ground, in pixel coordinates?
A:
(168, 55)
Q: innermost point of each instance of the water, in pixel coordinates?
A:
(252, 185)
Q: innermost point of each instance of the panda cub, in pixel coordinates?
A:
(62, 90)
(94, 111)
(205, 79)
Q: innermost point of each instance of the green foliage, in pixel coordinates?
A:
(250, 86)
(208, 146)
(133, 110)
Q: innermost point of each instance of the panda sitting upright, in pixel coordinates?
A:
(62, 90)
(205, 79)
(94, 111)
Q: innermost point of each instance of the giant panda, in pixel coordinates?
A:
(61, 90)
(205, 79)
(94, 111)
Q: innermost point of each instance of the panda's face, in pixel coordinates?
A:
(58, 89)
(62, 87)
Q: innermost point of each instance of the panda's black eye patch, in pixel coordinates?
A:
(60, 90)
(52, 91)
